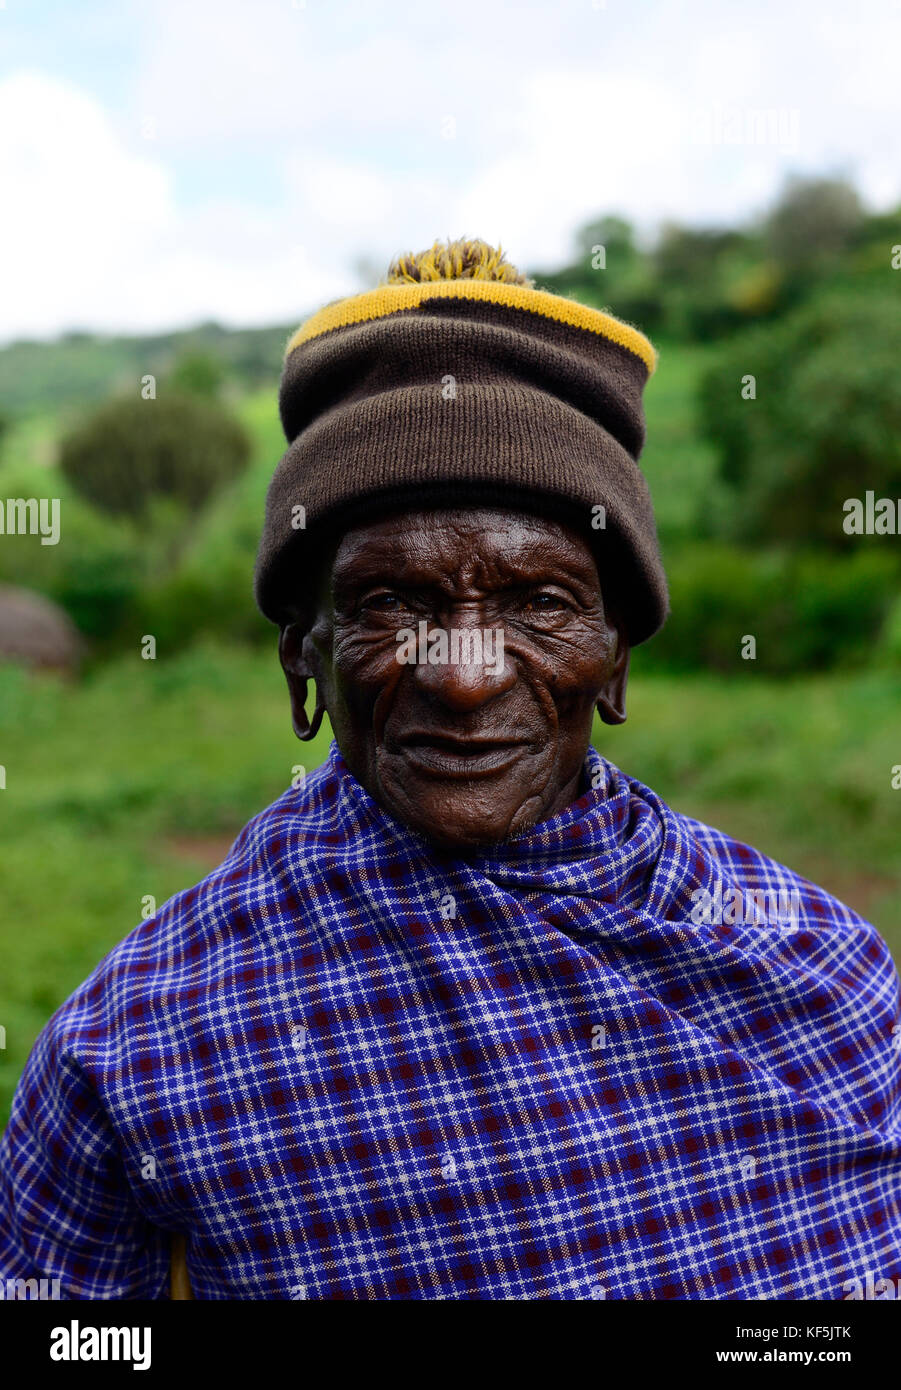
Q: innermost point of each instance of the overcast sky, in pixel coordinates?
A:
(169, 161)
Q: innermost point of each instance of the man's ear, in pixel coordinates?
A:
(298, 675)
(611, 703)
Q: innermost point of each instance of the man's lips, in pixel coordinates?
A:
(446, 755)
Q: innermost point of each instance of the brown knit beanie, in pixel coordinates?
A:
(457, 382)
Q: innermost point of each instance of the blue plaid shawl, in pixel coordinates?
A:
(351, 1066)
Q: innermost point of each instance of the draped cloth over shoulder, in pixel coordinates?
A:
(367, 1069)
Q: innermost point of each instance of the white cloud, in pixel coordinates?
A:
(81, 212)
(290, 140)
(94, 237)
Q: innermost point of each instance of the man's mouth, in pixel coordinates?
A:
(444, 755)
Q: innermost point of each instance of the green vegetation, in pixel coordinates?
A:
(131, 452)
(705, 283)
(805, 611)
(83, 369)
(825, 424)
(134, 781)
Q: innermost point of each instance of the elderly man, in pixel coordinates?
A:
(469, 1013)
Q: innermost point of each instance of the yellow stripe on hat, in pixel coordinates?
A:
(389, 299)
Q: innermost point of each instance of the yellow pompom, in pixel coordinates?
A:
(463, 259)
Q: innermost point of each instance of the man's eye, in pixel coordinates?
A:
(382, 603)
(546, 603)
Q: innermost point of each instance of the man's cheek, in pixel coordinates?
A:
(368, 658)
(580, 660)
(561, 665)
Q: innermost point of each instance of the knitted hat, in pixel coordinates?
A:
(457, 382)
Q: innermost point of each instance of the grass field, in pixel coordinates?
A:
(134, 782)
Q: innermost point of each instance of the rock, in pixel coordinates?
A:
(37, 632)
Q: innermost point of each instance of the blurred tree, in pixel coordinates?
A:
(813, 222)
(808, 610)
(609, 270)
(131, 451)
(684, 255)
(701, 272)
(823, 424)
(616, 236)
(198, 374)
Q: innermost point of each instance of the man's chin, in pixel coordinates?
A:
(478, 842)
(453, 822)
(459, 813)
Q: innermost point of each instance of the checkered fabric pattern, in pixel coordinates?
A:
(350, 1066)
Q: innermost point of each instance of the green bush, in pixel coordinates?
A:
(813, 223)
(171, 571)
(100, 573)
(195, 602)
(131, 451)
(199, 373)
(825, 425)
(96, 568)
(806, 611)
(889, 651)
(210, 589)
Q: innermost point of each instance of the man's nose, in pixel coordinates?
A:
(477, 669)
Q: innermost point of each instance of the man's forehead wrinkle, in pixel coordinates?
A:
(432, 525)
(395, 557)
(497, 549)
(481, 572)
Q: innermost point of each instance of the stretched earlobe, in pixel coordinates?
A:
(610, 712)
(298, 675)
(311, 727)
(611, 702)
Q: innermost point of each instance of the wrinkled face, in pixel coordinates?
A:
(460, 655)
